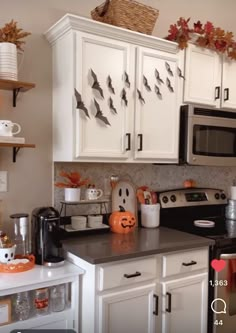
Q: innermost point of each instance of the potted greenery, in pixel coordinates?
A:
(10, 42)
(208, 36)
(72, 185)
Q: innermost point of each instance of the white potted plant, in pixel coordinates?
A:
(11, 43)
(72, 185)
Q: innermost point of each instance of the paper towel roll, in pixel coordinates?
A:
(233, 192)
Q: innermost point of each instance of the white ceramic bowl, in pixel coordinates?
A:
(94, 221)
(78, 222)
(7, 254)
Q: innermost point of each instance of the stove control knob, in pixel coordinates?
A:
(165, 199)
(223, 196)
(217, 196)
(173, 198)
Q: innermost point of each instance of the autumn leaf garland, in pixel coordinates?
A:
(210, 37)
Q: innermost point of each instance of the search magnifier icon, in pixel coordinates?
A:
(220, 304)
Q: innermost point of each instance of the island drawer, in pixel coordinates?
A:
(184, 262)
(126, 273)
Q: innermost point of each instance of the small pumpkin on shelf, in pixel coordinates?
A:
(122, 222)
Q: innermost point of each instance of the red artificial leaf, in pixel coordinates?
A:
(208, 27)
(198, 27)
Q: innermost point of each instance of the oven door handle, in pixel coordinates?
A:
(228, 256)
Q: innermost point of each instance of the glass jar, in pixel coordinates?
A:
(41, 300)
(57, 298)
(22, 305)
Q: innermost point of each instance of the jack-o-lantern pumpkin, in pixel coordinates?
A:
(122, 221)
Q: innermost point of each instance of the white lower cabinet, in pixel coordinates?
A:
(127, 311)
(184, 305)
(165, 293)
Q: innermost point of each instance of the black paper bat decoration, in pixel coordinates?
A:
(145, 82)
(169, 69)
(157, 91)
(99, 113)
(140, 97)
(127, 80)
(180, 73)
(123, 96)
(111, 105)
(157, 75)
(80, 104)
(110, 86)
(96, 84)
(168, 83)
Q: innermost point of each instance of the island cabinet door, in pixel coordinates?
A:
(157, 99)
(184, 305)
(202, 84)
(104, 78)
(128, 311)
(228, 98)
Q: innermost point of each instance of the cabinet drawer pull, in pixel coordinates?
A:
(226, 94)
(128, 276)
(189, 263)
(168, 309)
(140, 142)
(155, 312)
(129, 140)
(217, 92)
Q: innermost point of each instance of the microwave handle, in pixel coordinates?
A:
(228, 256)
(217, 92)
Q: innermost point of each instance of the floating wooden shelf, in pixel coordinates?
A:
(16, 147)
(16, 87)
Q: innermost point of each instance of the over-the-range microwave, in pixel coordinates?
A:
(207, 136)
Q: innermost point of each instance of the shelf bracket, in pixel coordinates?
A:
(15, 94)
(15, 151)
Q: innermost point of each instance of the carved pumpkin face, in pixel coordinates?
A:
(122, 221)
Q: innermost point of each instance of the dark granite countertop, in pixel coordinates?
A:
(108, 247)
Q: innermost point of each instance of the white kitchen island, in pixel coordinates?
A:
(36, 278)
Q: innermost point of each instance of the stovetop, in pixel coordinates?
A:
(181, 207)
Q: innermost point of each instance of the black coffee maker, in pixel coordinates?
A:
(46, 244)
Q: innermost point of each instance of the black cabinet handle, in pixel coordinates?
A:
(217, 92)
(155, 312)
(140, 142)
(226, 94)
(168, 309)
(129, 140)
(189, 263)
(128, 276)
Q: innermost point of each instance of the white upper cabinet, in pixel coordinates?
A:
(128, 94)
(209, 78)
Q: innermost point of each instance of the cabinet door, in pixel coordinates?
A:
(93, 137)
(185, 305)
(128, 311)
(228, 96)
(157, 114)
(202, 76)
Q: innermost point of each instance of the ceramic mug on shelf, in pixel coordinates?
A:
(6, 128)
(93, 193)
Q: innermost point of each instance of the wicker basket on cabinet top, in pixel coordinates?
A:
(128, 14)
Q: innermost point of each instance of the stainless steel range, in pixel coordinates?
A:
(201, 211)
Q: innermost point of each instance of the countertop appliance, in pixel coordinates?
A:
(207, 136)
(179, 209)
(46, 243)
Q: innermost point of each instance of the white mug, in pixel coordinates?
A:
(93, 193)
(6, 128)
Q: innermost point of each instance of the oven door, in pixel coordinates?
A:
(225, 290)
(211, 140)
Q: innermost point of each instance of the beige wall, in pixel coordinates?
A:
(30, 178)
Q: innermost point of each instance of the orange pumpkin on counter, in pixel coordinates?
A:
(122, 221)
